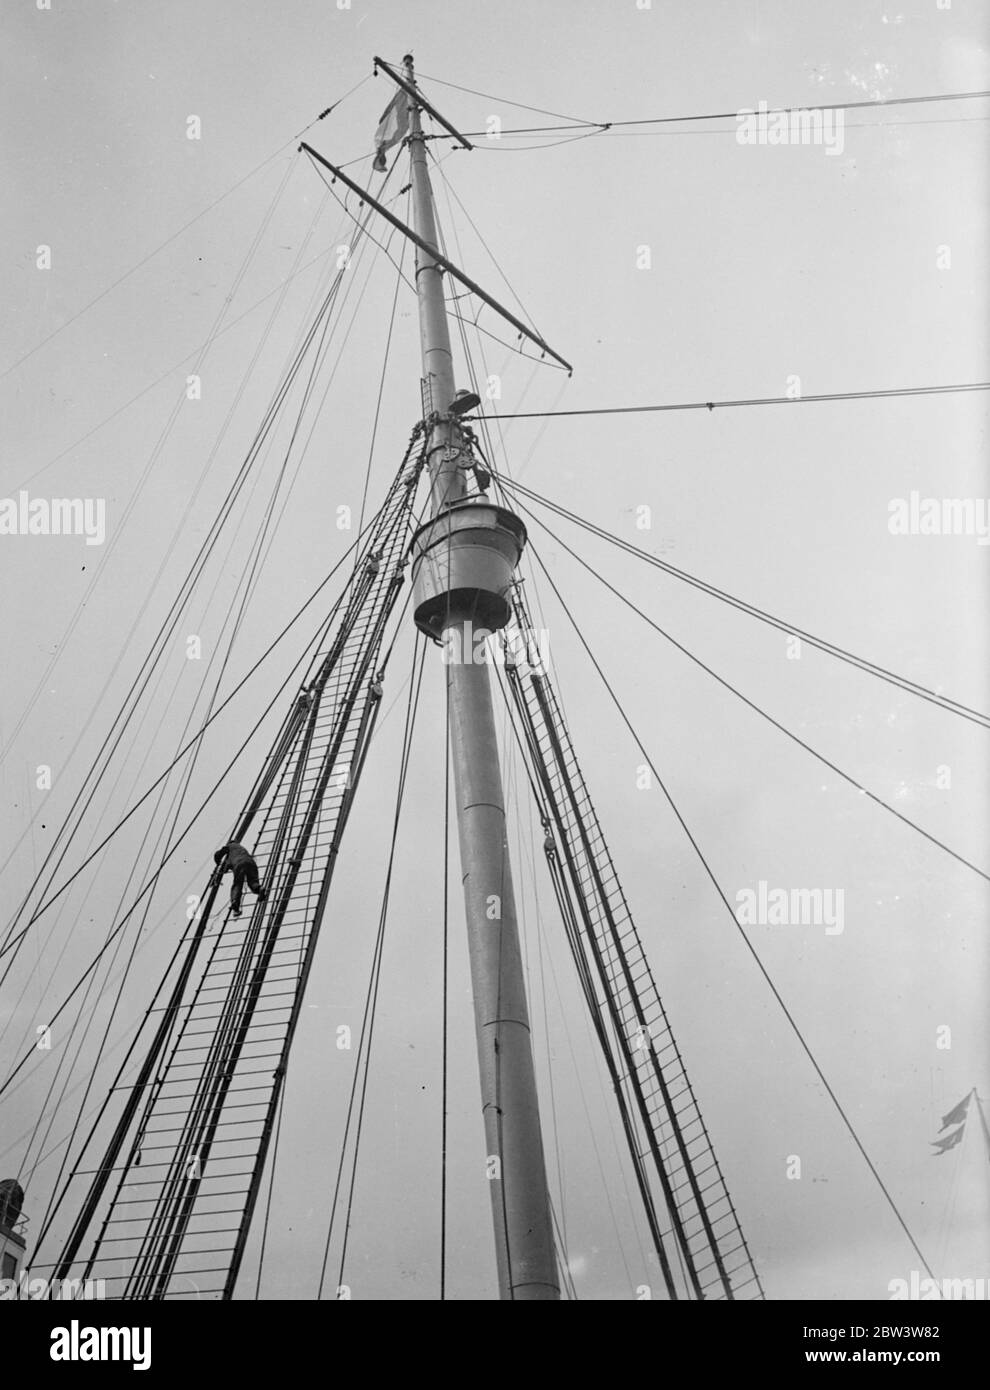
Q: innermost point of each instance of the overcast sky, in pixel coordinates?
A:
(763, 264)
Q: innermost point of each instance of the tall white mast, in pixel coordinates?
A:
(467, 555)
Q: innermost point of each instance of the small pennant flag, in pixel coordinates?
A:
(958, 1114)
(391, 128)
(949, 1142)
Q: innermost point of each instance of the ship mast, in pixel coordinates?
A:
(223, 1027)
(467, 554)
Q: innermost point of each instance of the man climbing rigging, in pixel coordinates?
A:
(234, 858)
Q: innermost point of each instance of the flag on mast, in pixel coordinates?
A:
(949, 1142)
(956, 1116)
(391, 128)
(958, 1112)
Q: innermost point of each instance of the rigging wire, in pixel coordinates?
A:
(197, 744)
(517, 747)
(511, 795)
(864, 791)
(473, 377)
(563, 1259)
(271, 1188)
(566, 909)
(729, 404)
(204, 804)
(203, 555)
(524, 853)
(58, 1190)
(517, 349)
(600, 127)
(371, 996)
(264, 656)
(278, 289)
(153, 459)
(184, 228)
(353, 217)
(635, 1154)
(170, 371)
(626, 1095)
(280, 741)
(151, 660)
(381, 383)
(265, 530)
(201, 558)
(540, 110)
(723, 115)
(399, 487)
(287, 378)
(452, 192)
(545, 958)
(495, 148)
(830, 648)
(847, 125)
(728, 907)
(167, 916)
(444, 992)
(608, 1108)
(75, 1051)
(494, 145)
(465, 344)
(153, 880)
(15, 943)
(345, 340)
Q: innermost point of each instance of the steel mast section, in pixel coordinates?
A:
(465, 559)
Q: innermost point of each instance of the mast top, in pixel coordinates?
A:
(408, 85)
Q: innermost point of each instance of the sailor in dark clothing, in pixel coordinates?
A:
(234, 858)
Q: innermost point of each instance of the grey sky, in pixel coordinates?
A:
(766, 263)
